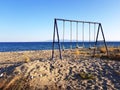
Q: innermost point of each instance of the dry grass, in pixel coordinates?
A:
(76, 52)
(102, 50)
(110, 49)
(97, 55)
(27, 59)
(114, 57)
(113, 53)
(84, 75)
(79, 52)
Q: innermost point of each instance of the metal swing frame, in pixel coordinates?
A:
(58, 40)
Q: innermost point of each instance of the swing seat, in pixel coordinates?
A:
(63, 48)
(80, 47)
(92, 47)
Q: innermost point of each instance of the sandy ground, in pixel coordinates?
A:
(35, 70)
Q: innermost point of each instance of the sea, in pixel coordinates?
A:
(26, 46)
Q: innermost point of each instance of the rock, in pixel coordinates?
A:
(1, 75)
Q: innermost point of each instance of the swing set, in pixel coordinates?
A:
(62, 48)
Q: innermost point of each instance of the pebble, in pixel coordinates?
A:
(1, 75)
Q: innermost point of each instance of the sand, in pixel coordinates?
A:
(35, 70)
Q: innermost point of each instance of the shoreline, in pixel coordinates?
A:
(32, 46)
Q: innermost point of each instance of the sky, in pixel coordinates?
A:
(33, 20)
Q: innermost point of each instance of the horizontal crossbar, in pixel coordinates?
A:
(77, 21)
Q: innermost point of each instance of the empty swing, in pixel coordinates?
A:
(63, 47)
(71, 34)
(77, 46)
(89, 36)
(94, 33)
(83, 35)
(92, 47)
(77, 52)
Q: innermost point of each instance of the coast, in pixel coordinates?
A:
(32, 70)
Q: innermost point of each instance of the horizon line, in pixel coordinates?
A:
(60, 41)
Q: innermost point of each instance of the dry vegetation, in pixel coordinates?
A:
(113, 52)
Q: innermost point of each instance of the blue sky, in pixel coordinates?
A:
(32, 20)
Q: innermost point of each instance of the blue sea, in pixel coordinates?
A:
(25, 46)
